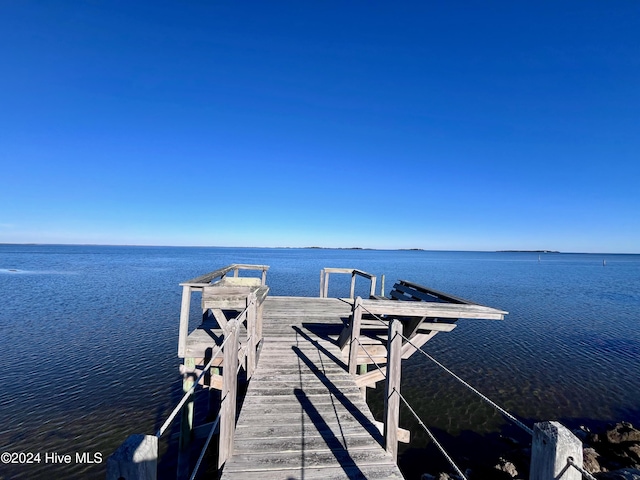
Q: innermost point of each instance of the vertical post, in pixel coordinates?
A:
(392, 387)
(382, 286)
(229, 391)
(372, 290)
(264, 277)
(552, 445)
(259, 311)
(356, 318)
(353, 284)
(326, 285)
(322, 283)
(135, 459)
(235, 272)
(362, 369)
(252, 314)
(186, 419)
(183, 332)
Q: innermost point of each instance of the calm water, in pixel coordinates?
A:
(89, 336)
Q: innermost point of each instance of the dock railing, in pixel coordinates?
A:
(137, 456)
(197, 285)
(324, 280)
(556, 453)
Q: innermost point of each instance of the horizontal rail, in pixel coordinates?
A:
(221, 272)
(432, 309)
(324, 279)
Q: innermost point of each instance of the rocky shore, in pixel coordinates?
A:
(611, 453)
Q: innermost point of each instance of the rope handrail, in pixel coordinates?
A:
(584, 473)
(466, 384)
(371, 358)
(205, 446)
(435, 441)
(188, 393)
(440, 447)
(474, 390)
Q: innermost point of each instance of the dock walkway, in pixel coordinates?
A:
(303, 416)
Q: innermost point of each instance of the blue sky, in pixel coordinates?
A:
(437, 125)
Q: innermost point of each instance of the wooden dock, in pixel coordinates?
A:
(303, 416)
(309, 362)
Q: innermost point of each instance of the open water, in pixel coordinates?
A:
(88, 339)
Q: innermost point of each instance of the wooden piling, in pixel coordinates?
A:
(392, 387)
(229, 393)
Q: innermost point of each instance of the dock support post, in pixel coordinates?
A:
(392, 387)
(252, 334)
(229, 392)
(186, 419)
(552, 445)
(382, 286)
(183, 332)
(353, 285)
(362, 369)
(356, 318)
(135, 459)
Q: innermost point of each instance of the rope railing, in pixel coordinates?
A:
(420, 422)
(384, 375)
(431, 436)
(584, 473)
(214, 426)
(240, 318)
(503, 411)
(190, 391)
(466, 384)
(474, 390)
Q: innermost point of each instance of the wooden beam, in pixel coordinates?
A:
(183, 331)
(392, 388)
(431, 309)
(356, 316)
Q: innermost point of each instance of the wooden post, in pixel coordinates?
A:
(362, 369)
(135, 459)
(264, 277)
(322, 283)
(372, 290)
(229, 391)
(259, 311)
(392, 387)
(382, 286)
(186, 420)
(184, 321)
(552, 445)
(356, 318)
(252, 314)
(353, 285)
(326, 285)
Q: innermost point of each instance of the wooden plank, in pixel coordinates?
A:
(444, 296)
(302, 412)
(430, 309)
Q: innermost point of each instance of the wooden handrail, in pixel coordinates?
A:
(222, 272)
(324, 280)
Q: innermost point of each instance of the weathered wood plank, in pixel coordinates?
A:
(303, 413)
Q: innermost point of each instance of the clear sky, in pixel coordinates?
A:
(429, 124)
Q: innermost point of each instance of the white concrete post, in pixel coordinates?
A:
(552, 445)
(135, 459)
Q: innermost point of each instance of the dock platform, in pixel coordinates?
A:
(309, 362)
(303, 416)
